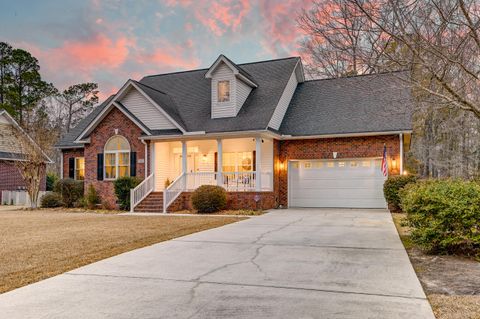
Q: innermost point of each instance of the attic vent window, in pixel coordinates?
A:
(223, 91)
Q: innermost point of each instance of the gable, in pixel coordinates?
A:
(146, 112)
(284, 101)
(223, 109)
(7, 139)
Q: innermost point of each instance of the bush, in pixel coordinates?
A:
(51, 200)
(392, 186)
(122, 190)
(70, 190)
(209, 199)
(444, 215)
(92, 199)
(52, 178)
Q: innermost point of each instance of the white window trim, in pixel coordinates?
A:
(75, 168)
(116, 152)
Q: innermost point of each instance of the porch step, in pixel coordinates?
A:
(153, 203)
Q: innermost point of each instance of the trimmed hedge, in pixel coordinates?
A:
(392, 186)
(51, 200)
(209, 199)
(122, 188)
(444, 215)
(70, 190)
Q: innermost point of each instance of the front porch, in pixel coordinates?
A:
(236, 164)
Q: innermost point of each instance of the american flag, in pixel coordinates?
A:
(384, 161)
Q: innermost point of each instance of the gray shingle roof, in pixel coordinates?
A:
(369, 103)
(191, 94)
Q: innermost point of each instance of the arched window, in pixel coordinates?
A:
(117, 157)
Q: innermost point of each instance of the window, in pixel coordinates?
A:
(117, 158)
(318, 164)
(307, 165)
(223, 91)
(330, 164)
(341, 164)
(79, 168)
(366, 163)
(295, 165)
(353, 164)
(237, 162)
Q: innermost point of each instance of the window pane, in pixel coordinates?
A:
(123, 158)
(117, 143)
(110, 172)
(109, 159)
(223, 91)
(123, 171)
(245, 161)
(228, 162)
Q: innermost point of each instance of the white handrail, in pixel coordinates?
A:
(142, 190)
(173, 191)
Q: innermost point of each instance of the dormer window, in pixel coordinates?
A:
(223, 91)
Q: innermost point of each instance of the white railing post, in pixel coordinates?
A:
(165, 201)
(184, 157)
(219, 162)
(131, 201)
(258, 161)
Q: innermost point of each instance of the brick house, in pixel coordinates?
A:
(260, 130)
(10, 153)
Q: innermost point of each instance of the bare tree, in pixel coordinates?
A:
(77, 101)
(31, 162)
(441, 42)
(341, 40)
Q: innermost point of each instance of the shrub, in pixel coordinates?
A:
(122, 190)
(51, 200)
(209, 199)
(92, 199)
(52, 178)
(70, 190)
(392, 186)
(444, 215)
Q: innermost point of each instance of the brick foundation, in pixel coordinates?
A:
(235, 200)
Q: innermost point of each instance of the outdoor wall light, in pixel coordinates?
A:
(394, 163)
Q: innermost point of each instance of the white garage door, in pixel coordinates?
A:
(355, 183)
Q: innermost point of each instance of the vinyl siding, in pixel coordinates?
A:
(243, 90)
(8, 142)
(145, 111)
(223, 109)
(284, 102)
(266, 164)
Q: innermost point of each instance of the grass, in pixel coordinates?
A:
(35, 245)
(450, 282)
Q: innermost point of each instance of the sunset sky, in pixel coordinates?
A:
(111, 41)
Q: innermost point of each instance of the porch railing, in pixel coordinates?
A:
(174, 190)
(141, 191)
(231, 181)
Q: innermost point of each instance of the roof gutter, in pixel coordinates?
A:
(290, 137)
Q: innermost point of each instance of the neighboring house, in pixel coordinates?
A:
(260, 130)
(11, 152)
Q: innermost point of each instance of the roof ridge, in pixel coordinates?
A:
(205, 69)
(357, 76)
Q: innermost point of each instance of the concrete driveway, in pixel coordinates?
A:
(295, 263)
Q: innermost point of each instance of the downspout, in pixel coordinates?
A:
(401, 153)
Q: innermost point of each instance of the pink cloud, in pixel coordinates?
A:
(219, 17)
(169, 56)
(281, 31)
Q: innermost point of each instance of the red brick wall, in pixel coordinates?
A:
(11, 179)
(100, 135)
(235, 200)
(67, 154)
(346, 147)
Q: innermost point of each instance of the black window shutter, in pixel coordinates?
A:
(133, 164)
(71, 167)
(215, 163)
(254, 165)
(100, 166)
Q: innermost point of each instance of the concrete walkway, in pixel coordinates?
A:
(296, 263)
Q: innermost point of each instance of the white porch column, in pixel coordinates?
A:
(219, 162)
(401, 153)
(258, 161)
(184, 157)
